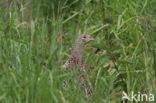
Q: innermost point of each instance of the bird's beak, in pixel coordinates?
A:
(91, 39)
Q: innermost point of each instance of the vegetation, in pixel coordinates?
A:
(36, 37)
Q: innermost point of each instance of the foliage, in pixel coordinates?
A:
(35, 37)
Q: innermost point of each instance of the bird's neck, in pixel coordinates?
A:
(78, 50)
(79, 46)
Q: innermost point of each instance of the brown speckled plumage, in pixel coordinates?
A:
(76, 58)
(77, 52)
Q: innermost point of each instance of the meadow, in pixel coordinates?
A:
(36, 37)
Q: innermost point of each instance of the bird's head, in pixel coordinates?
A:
(84, 38)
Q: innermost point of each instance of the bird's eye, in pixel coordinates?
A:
(84, 37)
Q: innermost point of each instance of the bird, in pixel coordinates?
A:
(76, 59)
(77, 52)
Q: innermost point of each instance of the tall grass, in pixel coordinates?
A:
(35, 37)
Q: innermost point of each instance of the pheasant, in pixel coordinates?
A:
(76, 58)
